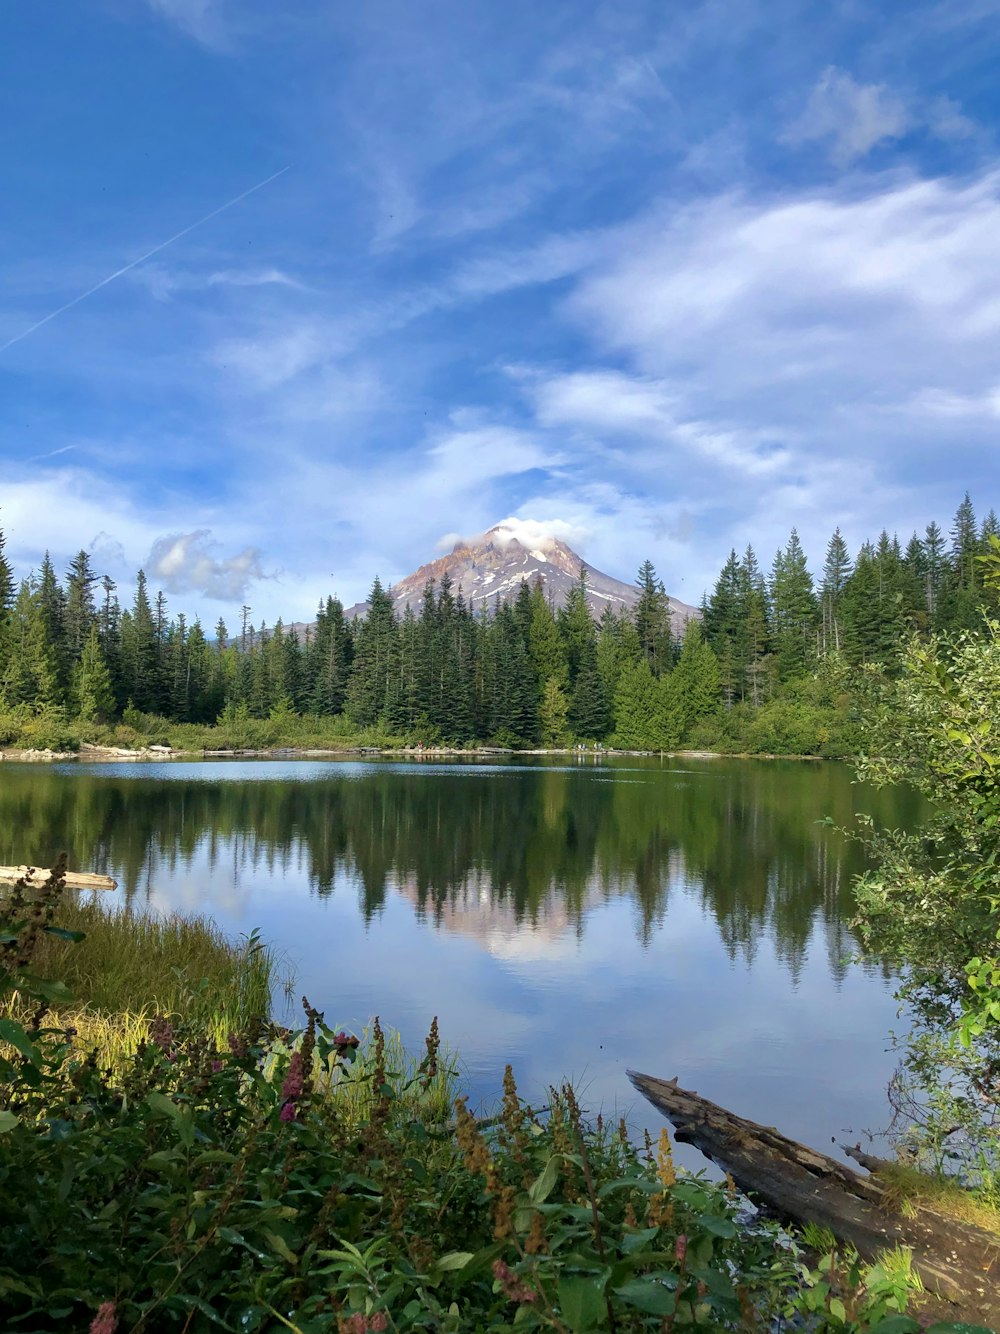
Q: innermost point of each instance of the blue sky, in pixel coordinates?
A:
(668, 277)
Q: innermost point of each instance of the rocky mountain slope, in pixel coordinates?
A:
(493, 565)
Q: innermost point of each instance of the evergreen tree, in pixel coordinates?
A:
(80, 611)
(545, 645)
(652, 620)
(376, 660)
(141, 681)
(328, 660)
(935, 571)
(590, 708)
(634, 707)
(695, 683)
(861, 610)
(553, 713)
(6, 581)
(836, 571)
(794, 610)
(30, 674)
(51, 606)
(92, 693)
(576, 627)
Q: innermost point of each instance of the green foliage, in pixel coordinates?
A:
(930, 902)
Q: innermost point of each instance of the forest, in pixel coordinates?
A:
(772, 665)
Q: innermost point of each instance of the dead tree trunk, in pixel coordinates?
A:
(957, 1260)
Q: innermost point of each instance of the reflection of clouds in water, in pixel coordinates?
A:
(549, 920)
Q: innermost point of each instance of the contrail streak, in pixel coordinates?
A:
(141, 260)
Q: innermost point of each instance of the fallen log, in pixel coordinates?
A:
(74, 879)
(957, 1260)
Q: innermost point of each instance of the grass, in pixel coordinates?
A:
(909, 1189)
(138, 961)
(131, 966)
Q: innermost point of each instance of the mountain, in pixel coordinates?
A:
(494, 564)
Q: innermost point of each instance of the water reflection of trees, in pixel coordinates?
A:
(536, 842)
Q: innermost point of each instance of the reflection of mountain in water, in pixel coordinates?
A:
(489, 853)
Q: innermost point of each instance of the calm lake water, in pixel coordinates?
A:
(683, 918)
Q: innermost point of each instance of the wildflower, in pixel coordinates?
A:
(665, 1169)
(105, 1322)
(161, 1032)
(216, 1067)
(680, 1247)
(292, 1087)
(287, 1112)
(513, 1290)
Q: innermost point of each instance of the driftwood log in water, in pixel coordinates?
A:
(39, 876)
(958, 1260)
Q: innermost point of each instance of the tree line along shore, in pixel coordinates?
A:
(774, 664)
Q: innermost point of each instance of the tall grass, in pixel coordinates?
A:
(135, 961)
(131, 966)
(414, 1094)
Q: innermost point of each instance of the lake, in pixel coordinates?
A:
(574, 917)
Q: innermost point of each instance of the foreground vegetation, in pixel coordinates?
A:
(272, 1181)
(771, 665)
(930, 902)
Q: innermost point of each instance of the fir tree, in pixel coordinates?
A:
(6, 581)
(92, 692)
(794, 610)
(590, 709)
(652, 619)
(553, 713)
(576, 627)
(836, 572)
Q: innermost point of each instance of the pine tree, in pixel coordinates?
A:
(7, 592)
(652, 619)
(328, 660)
(695, 682)
(590, 708)
(51, 606)
(935, 572)
(836, 571)
(30, 673)
(634, 708)
(576, 627)
(794, 610)
(376, 660)
(80, 612)
(545, 645)
(92, 693)
(141, 679)
(553, 714)
(861, 610)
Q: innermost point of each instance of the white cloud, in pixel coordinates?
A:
(186, 562)
(852, 117)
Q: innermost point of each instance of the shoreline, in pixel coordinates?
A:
(90, 753)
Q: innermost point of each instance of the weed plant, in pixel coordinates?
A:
(230, 1186)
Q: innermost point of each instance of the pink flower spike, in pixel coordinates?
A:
(287, 1112)
(105, 1322)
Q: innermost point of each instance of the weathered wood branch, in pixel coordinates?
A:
(74, 879)
(957, 1260)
